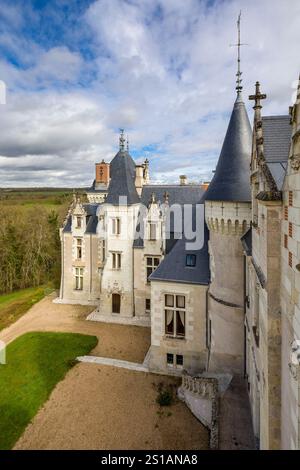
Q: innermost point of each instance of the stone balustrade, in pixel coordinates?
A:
(206, 388)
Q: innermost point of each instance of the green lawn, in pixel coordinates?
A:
(35, 363)
(14, 305)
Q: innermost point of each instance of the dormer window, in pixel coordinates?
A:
(78, 221)
(190, 261)
(152, 231)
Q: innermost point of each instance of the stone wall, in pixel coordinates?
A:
(193, 346)
(290, 290)
(227, 222)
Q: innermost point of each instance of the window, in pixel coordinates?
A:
(116, 260)
(152, 231)
(78, 278)
(170, 359)
(175, 315)
(179, 360)
(116, 303)
(151, 264)
(290, 198)
(78, 222)
(116, 226)
(285, 240)
(290, 229)
(148, 305)
(190, 261)
(286, 213)
(78, 248)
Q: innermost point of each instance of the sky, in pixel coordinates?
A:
(76, 71)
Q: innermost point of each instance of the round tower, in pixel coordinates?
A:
(228, 216)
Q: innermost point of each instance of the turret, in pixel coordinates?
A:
(228, 215)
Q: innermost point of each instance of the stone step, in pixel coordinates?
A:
(107, 361)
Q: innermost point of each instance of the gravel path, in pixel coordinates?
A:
(129, 343)
(102, 407)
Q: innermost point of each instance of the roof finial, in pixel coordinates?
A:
(238, 45)
(257, 97)
(122, 140)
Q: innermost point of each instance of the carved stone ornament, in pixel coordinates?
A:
(295, 162)
(115, 289)
(294, 364)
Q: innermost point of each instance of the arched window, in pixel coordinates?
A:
(116, 303)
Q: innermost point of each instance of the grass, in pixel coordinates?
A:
(15, 304)
(36, 362)
(48, 197)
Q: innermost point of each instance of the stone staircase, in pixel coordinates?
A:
(201, 395)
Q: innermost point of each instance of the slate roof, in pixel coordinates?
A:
(92, 219)
(178, 194)
(247, 242)
(122, 183)
(277, 134)
(173, 267)
(231, 181)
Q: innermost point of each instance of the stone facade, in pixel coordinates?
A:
(272, 293)
(192, 347)
(227, 222)
(290, 292)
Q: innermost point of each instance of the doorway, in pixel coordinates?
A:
(116, 303)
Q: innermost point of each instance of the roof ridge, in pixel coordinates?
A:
(277, 116)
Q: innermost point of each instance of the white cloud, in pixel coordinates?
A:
(163, 69)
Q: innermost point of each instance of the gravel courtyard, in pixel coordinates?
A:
(104, 407)
(129, 343)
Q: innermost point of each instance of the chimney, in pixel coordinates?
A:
(183, 180)
(139, 178)
(102, 174)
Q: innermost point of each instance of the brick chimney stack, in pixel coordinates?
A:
(102, 173)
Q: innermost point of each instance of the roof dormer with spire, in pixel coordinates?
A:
(122, 173)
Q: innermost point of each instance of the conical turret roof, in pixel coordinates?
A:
(231, 181)
(122, 183)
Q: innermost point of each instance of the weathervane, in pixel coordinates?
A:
(238, 45)
(122, 140)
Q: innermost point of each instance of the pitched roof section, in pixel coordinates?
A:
(277, 132)
(122, 183)
(91, 219)
(178, 194)
(231, 181)
(173, 267)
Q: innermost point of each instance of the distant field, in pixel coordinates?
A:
(15, 304)
(42, 196)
